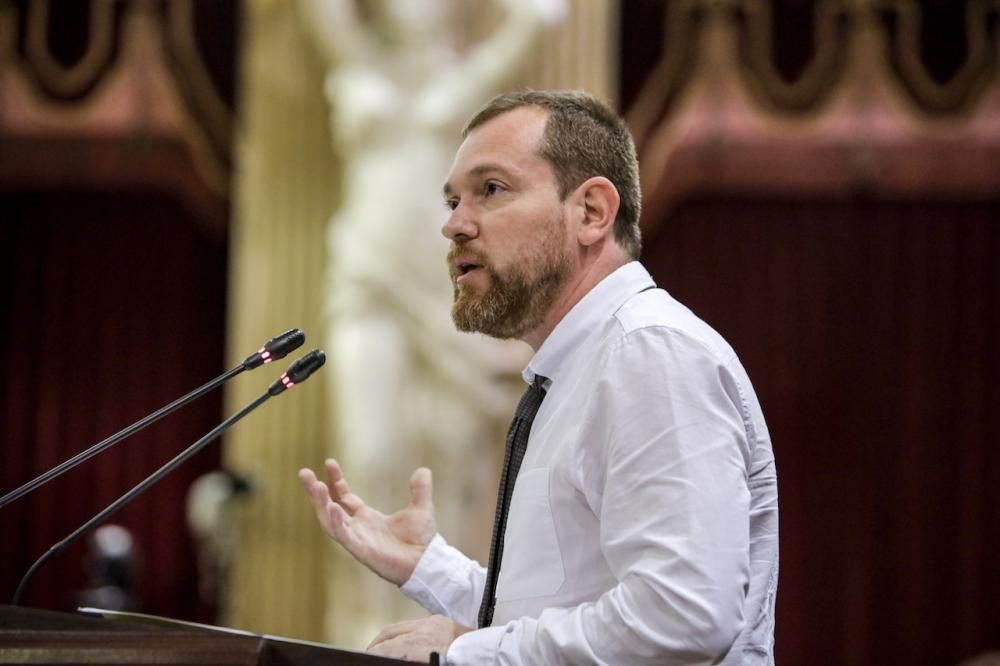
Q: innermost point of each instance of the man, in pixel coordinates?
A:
(642, 527)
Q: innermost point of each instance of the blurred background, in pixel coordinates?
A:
(182, 179)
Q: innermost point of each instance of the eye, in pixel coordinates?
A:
(451, 203)
(491, 187)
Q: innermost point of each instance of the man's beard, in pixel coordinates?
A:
(517, 300)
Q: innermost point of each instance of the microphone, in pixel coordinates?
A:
(297, 372)
(277, 347)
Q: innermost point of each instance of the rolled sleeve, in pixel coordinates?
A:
(446, 582)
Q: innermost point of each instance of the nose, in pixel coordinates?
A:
(460, 225)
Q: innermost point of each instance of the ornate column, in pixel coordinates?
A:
(581, 52)
(283, 195)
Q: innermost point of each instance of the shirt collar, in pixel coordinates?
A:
(585, 318)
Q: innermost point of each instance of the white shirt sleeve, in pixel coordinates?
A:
(446, 582)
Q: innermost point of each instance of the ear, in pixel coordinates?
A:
(598, 200)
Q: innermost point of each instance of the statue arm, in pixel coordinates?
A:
(461, 89)
(492, 62)
(336, 31)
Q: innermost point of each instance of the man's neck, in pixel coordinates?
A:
(574, 289)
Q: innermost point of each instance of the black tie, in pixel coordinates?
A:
(517, 444)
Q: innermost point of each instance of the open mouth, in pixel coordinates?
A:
(462, 266)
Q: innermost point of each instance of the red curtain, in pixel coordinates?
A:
(871, 330)
(114, 306)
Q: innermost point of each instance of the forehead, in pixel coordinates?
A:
(507, 143)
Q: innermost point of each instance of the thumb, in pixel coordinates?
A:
(421, 489)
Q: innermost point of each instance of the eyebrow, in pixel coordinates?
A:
(476, 172)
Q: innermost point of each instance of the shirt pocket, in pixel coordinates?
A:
(532, 563)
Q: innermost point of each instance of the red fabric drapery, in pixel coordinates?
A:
(871, 330)
(114, 305)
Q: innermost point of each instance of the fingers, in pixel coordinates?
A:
(338, 526)
(403, 648)
(417, 639)
(393, 631)
(318, 493)
(323, 501)
(331, 515)
(336, 488)
(421, 489)
(340, 492)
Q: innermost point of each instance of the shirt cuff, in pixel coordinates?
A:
(437, 582)
(479, 647)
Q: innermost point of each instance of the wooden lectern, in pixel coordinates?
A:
(31, 636)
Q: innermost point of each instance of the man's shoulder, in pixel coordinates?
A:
(655, 312)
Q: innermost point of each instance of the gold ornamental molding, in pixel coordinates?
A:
(974, 73)
(118, 117)
(75, 79)
(876, 127)
(822, 69)
(8, 31)
(214, 114)
(668, 76)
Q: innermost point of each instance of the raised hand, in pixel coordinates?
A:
(390, 545)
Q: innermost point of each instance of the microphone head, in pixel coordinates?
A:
(276, 348)
(298, 372)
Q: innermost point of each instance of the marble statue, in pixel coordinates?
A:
(407, 389)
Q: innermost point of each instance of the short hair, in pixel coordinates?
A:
(583, 138)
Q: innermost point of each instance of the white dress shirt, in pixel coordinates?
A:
(643, 527)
